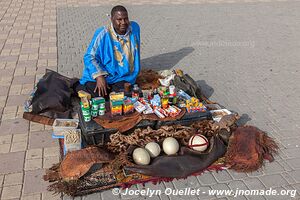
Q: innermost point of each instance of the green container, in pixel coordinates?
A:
(87, 118)
(98, 100)
(94, 113)
(102, 105)
(101, 112)
(95, 106)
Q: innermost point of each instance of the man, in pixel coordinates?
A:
(113, 56)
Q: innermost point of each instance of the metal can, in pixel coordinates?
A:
(94, 113)
(102, 106)
(101, 112)
(87, 118)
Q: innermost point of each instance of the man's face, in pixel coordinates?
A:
(120, 22)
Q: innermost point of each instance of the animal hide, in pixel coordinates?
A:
(148, 79)
(126, 122)
(38, 118)
(78, 163)
(248, 147)
(122, 123)
(186, 163)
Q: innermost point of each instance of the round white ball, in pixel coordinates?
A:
(153, 149)
(198, 142)
(170, 146)
(141, 156)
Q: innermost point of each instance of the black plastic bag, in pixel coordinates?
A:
(52, 97)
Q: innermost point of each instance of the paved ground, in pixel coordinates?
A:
(244, 53)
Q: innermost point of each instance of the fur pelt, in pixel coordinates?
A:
(148, 79)
(248, 147)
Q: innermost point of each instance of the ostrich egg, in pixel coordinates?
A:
(153, 149)
(170, 146)
(198, 142)
(141, 156)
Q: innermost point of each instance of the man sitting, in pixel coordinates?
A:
(113, 56)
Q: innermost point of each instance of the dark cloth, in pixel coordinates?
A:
(90, 87)
(52, 97)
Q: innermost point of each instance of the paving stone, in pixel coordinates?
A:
(20, 138)
(17, 100)
(51, 151)
(16, 126)
(18, 146)
(237, 175)
(34, 183)
(41, 139)
(1, 181)
(51, 196)
(253, 183)
(294, 163)
(272, 168)
(296, 175)
(33, 164)
(222, 176)
(206, 179)
(36, 127)
(237, 185)
(11, 192)
(34, 153)
(50, 161)
(4, 148)
(12, 162)
(19, 80)
(221, 187)
(92, 196)
(13, 179)
(275, 180)
(5, 139)
(31, 197)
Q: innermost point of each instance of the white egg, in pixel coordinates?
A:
(153, 149)
(170, 146)
(198, 142)
(141, 156)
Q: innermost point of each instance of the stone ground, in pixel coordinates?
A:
(243, 53)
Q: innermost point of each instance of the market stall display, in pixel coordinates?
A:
(159, 129)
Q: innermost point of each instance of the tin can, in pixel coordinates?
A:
(94, 113)
(95, 106)
(87, 118)
(102, 106)
(101, 112)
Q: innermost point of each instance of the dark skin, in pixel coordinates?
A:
(120, 22)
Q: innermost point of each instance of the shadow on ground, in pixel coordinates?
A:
(166, 60)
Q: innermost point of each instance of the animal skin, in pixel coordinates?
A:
(78, 163)
(248, 147)
(186, 163)
(225, 122)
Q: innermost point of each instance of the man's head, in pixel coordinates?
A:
(119, 19)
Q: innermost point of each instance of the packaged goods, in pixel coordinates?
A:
(183, 95)
(82, 94)
(116, 96)
(155, 102)
(160, 115)
(128, 106)
(139, 106)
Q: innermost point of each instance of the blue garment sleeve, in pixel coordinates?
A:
(92, 58)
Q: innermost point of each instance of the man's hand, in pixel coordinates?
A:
(101, 86)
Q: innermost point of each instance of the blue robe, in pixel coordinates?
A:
(117, 57)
